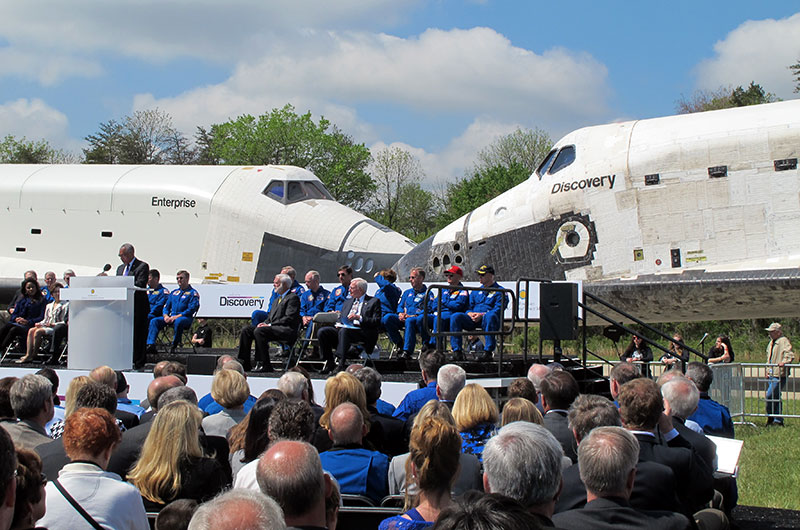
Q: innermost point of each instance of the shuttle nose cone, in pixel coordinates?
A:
(419, 256)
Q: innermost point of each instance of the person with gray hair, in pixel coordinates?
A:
(523, 461)
(607, 458)
(714, 418)
(178, 393)
(291, 473)
(358, 470)
(32, 400)
(239, 508)
(589, 411)
(294, 385)
(282, 324)
(359, 321)
(450, 379)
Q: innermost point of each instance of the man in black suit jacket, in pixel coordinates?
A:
(359, 321)
(559, 390)
(132, 266)
(654, 487)
(607, 458)
(281, 324)
(641, 408)
(393, 443)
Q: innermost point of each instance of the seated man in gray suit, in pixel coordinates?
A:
(282, 324)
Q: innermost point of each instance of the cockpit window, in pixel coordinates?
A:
(275, 190)
(545, 165)
(296, 191)
(565, 157)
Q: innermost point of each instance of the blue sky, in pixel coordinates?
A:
(440, 78)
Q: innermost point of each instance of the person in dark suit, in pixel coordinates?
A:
(282, 324)
(359, 321)
(654, 487)
(559, 390)
(393, 439)
(133, 266)
(641, 409)
(607, 458)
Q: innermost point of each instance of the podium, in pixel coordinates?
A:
(100, 322)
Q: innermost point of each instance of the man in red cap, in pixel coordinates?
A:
(453, 300)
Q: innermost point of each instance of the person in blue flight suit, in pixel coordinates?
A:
(409, 312)
(179, 311)
(485, 312)
(49, 282)
(157, 295)
(453, 301)
(260, 315)
(313, 300)
(342, 292)
(389, 294)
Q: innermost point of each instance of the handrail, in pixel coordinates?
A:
(439, 333)
(639, 322)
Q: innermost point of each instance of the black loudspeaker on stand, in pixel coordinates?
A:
(558, 311)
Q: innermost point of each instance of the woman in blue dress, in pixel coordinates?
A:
(476, 416)
(435, 447)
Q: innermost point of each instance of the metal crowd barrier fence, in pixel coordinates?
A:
(742, 387)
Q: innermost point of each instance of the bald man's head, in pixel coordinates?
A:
(160, 385)
(291, 473)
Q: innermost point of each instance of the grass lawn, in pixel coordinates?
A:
(769, 469)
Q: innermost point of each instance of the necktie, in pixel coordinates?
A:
(127, 269)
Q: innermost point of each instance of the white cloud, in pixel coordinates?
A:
(458, 156)
(757, 50)
(468, 72)
(35, 120)
(154, 30)
(46, 67)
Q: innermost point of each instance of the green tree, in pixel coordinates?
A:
(523, 147)
(484, 185)
(281, 136)
(24, 151)
(400, 202)
(392, 168)
(145, 137)
(725, 98)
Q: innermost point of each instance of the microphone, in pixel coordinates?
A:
(705, 336)
(107, 267)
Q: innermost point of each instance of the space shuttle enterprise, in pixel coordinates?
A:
(680, 218)
(221, 223)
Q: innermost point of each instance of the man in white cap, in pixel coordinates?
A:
(779, 354)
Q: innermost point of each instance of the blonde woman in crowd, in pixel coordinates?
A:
(172, 464)
(521, 409)
(476, 418)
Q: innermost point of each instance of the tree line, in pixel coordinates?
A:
(385, 185)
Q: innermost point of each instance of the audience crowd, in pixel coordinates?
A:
(451, 459)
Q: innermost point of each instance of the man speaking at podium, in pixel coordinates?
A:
(132, 266)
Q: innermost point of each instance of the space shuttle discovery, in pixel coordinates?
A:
(221, 223)
(689, 217)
